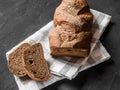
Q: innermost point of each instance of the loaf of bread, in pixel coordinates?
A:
(71, 34)
(35, 64)
(15, 60)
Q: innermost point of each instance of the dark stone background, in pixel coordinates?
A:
(21, 18)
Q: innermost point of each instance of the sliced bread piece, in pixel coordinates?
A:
(15, 60)
(35, 64)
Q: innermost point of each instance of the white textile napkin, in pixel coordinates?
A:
(29, 84)
(62, 68)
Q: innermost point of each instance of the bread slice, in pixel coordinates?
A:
(35, 64)
(15, 60)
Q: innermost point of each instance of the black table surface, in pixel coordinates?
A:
(21, 18)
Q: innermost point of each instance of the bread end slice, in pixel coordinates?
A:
(15, 60)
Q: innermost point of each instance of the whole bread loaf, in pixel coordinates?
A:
(71, 34)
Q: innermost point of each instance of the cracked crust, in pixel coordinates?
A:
(72, 34)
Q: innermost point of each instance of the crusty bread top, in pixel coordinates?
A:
(79, 18)
(15, 60)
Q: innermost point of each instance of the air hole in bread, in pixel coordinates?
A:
(69, 50)
(31, 61)
(34, 72)
(9, 61)
(23, 73)
(33, 52)
(19, 72)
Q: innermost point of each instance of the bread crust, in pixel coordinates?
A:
(72, 29)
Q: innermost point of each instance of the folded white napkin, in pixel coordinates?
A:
(29, 84)
(60, 68)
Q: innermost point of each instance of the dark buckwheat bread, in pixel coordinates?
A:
(71, 34)
(35, 64)
(15, 60)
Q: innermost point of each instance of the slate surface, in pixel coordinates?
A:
(21, 18)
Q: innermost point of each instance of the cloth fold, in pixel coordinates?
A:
(62, 68)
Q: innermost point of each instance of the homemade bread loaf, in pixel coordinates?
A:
(15, 60)
(71, 34)
(35, 64)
